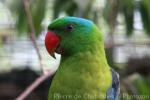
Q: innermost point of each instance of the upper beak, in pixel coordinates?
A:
(51, 42)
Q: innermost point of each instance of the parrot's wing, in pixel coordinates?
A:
(114, 90)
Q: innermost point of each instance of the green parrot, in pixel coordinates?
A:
(84, 73)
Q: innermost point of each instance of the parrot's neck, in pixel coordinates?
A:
(86, 61)
(94, 55)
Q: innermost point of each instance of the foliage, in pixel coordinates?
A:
(142, 85)
(145, 13)
(69, 6)
(128, 8)
(72, 8)
(37, 8)
(128, 11)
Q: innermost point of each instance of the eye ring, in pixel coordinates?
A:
(70, 27)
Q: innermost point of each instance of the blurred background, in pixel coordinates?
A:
(126, 29)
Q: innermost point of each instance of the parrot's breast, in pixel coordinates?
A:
(81, 77)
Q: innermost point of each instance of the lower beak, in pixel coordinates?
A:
(52, 54)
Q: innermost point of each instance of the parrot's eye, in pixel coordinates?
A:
(69, 27)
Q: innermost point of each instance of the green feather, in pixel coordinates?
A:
(83, 72)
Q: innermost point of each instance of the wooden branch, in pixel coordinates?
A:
(35, 84)
(45, 74)
(32, 31)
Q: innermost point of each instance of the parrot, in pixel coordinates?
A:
(83, 73)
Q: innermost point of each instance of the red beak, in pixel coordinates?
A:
(51, 42)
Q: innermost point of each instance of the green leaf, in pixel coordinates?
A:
(60, 6)
(72, 8)
(145, 14)
(128, 11)
(142, 85)
(69, 7)
(21, 20)
(88, 9)
(37, 10)
(110, 12)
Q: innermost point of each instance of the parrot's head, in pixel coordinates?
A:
(70, 35)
